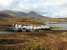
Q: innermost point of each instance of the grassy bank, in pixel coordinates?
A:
(44, 41)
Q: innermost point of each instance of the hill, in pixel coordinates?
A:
(23, 14)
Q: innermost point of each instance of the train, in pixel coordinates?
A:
(28, 28)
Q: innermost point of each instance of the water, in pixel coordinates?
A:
(62, 25)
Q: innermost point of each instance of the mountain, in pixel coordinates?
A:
(4, 15)
(30, 14)
(9, 13)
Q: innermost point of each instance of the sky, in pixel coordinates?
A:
(49, 8)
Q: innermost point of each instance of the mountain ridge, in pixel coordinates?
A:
(22, 14)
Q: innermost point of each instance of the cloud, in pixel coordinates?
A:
(50, 8)
(4, 4)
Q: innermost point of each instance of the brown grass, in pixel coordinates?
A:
(48, 40)
(39, 41)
